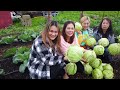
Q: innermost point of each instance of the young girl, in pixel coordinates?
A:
(45, 61)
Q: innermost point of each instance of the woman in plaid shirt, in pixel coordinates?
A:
(45, 61)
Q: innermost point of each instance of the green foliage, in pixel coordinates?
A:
(7, 40)
(10, 52)
(25, 37)
(22, 49)
(38, 23)
(21, 55)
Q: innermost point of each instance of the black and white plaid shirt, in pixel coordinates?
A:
(40, 60)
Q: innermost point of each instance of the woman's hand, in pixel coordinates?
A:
(79, 32)
(66, 58)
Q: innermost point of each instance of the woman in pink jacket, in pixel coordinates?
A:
(68, 38)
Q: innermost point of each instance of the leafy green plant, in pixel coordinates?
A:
(32, 33)
(22, 56)
(22, 49)
(23, 66)
(7, 40)
(10, 52)
(25, 37)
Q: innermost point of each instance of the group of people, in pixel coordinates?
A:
(47, 58)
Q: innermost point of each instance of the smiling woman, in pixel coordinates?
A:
(45, 61)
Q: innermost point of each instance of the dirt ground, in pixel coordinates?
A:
(11, 70)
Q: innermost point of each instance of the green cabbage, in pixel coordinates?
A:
(91, 42)
(100, 66)
(71, 68)
(97, 74)
(89, 55)
(114, 49)
(99, 49)
(95, 62)
(104, 42)
(108, 67)
(78, 26)
(108, 74)
(74, 53)
(87, 69)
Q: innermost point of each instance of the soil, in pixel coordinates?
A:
(12, 70)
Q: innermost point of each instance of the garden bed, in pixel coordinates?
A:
(12, 70)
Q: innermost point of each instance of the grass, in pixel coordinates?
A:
(38, 23)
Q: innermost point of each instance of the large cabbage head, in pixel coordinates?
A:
(71, 68)
(114, 49)
(95, 62)
(89, 55)
(87, 69)
(104, 42)
(78, 26)
(74, 53)
(99, 49)
(91, 42)
(97, 74)
(108, 67)
(108, 74)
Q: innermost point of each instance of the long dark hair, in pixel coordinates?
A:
(109, 30)
(64, 34)
(57, 40)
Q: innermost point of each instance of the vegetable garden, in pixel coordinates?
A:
(16, 41)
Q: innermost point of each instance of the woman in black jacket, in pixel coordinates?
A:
(105, 30)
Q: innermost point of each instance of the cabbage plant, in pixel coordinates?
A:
(87, 69)
(71, 68)
(89, 55)
(91, 42)
(95, 63)
(104, 42)
(97, 74)
(78, 26)
(114, 48)
(99, 49)
(74, 53)
(108, 67)
(108, 74)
